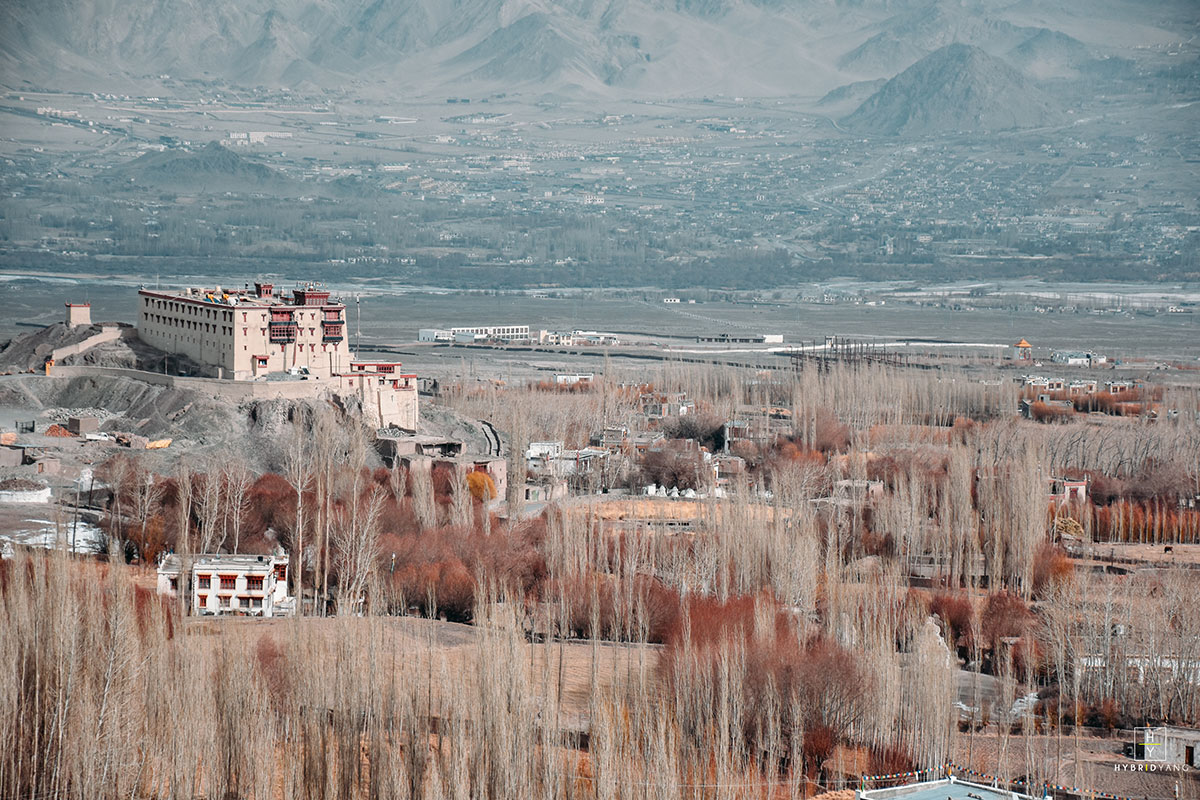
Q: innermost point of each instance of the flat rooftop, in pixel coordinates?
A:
(941, 790)
(221, 561)
(240, 297)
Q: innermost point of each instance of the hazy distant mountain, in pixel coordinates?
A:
(663, 47)
(909, 36)
(956, 88)
(542, 47)
(1050, 54)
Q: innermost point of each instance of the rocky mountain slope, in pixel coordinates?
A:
(956, 88)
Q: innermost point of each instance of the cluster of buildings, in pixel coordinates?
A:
(421, 452)
(616, 453)
(1023, 351)
(1077, 358)
(247, 138)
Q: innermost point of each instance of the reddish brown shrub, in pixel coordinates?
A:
(1106, 714)
(961, 430)
(819, 743)
(1004, 616)
(1028, 657)
(957, 614)
(1051, 566)
(1044, 412)
(444, 588)
(443, 480)
(273, 670)
(150, 608)
(814, 675)
(652, 610)
(830, 435)
(891, 760)
(272, 505)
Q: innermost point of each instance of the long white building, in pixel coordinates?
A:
(495, 331)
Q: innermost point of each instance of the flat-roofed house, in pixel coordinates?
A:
(224, 584)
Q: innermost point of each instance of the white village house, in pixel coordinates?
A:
(248, 585)
(1168, 744)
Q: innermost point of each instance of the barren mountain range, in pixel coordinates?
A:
(597, 47)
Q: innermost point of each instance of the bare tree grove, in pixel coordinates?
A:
(892, 582)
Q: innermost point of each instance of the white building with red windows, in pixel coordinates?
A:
(387, 394)
(222, 584)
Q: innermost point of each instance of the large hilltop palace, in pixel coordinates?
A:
(249, 333)
(265, 343)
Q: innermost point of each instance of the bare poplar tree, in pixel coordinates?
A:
(146, 492)
(211, 495)
(118, 473)
(183, 505)
(422, 494)
(238, 481)
(298, 471)
(462, 505)
(328, 455)
(356, 545)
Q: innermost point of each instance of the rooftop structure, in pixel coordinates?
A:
(79, 315)
(1078, 358)
(661, 405)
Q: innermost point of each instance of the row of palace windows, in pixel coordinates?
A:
(190, 309)
(225, 330)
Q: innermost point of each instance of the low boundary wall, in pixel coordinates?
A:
(106, 334)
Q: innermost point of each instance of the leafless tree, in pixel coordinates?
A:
(118, 473)
(183, 505)
(356, 548)
(238, 480)
(146, 493)
(298, 462)
(422, 495)
(210, 507)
